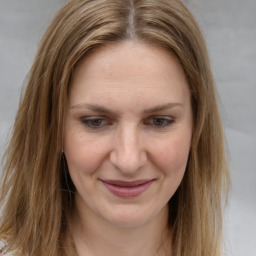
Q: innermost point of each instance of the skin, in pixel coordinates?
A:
(144, 134)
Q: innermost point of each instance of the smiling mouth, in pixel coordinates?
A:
(126, 189)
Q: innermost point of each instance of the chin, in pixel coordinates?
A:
(127, 221)
(130, 217)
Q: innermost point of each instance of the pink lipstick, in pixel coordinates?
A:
(126, 189)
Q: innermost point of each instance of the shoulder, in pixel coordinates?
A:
(4, 253)
(3, 249)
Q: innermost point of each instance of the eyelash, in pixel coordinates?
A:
(87, 122)
(164, 122)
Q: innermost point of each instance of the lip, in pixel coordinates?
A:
(127, 189)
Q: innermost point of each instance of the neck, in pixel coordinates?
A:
(96, 237)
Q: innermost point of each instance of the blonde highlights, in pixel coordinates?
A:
(36, 192)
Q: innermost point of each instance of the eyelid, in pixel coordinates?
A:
(86, 122)
(105, 121)
(167, 119)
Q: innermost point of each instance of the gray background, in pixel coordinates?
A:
(229, 29)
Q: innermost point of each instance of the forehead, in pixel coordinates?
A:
(129, 69)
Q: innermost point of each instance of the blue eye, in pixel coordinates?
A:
(159, 122)
(94, 123)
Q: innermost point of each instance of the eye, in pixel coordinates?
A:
(94, 122)
(159, 121)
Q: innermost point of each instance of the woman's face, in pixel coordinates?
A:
(127, 133)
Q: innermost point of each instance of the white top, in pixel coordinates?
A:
(2, 250)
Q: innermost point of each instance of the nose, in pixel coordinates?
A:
(128, 154)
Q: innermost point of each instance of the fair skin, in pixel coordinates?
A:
(127, 140)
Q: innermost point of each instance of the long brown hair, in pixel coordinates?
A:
(37, 194)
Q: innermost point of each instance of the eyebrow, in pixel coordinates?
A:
(103, 110)
(163, 107)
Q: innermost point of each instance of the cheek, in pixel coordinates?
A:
(171, 155)
(83, 154)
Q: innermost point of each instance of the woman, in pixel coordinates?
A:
(117, 147)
